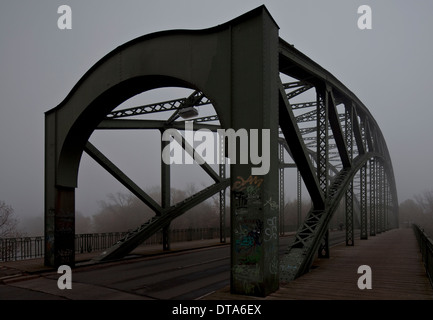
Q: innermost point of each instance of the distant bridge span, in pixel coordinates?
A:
(240, 68)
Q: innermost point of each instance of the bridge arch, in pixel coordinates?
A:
(165, 59)
(237, 66)
(230, 64)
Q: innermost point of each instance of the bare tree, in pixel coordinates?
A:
(124, 211)
(8, 223)
(121, 213)
(425, 201)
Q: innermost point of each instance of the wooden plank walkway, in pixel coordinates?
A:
(395, 261)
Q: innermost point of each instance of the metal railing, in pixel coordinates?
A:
(21, 248)
(426, 248)
(12, 249)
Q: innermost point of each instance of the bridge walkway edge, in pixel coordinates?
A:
(396, 267)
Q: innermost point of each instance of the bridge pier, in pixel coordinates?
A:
(254, 198)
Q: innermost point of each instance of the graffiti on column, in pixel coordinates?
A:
(248, 231)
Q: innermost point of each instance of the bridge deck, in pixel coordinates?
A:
(395, 261)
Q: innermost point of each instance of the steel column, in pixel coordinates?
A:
(379, 197)
(349, 216)
(165, 195)
(363, 190)
(222, 193)
(372, 197)
(350, 241)
(299, 197)
(384, 199)
(254, 198)
(363, 201)
(281, 182)
(386, 204)
(322, 141)
(323, 157)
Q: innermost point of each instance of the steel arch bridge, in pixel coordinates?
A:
(238, 68)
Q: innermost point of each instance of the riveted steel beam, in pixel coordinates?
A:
(363, 202)
(281, 186)
(350, 241)
(299, 151)
(222, 193)
(142, 124)
(195, 99)
(104, 162)
(338, 135)
(373, 207)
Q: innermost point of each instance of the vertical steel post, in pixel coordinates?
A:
(363, 201)
(222, 193)
(299, 198)
(165, 195)
(363, 190)
(379, 197)
(281, 182)
(382, 199)
(350, 241)
(372, 197)
(323, 156)
(385, 207)
(322, 140)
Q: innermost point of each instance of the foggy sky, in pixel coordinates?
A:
(389, 68)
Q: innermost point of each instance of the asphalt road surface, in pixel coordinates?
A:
(185, 275)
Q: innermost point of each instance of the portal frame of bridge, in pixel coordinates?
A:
(236, 67)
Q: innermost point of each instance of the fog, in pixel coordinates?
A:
(388, 67)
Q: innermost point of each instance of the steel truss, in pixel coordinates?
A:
(332, 147)
(354, 141)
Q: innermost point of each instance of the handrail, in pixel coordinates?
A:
(426, 247)
(23, 248)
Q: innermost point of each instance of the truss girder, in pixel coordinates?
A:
(142, 124)
(356, 138)
(299, 256)
(195, 99)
